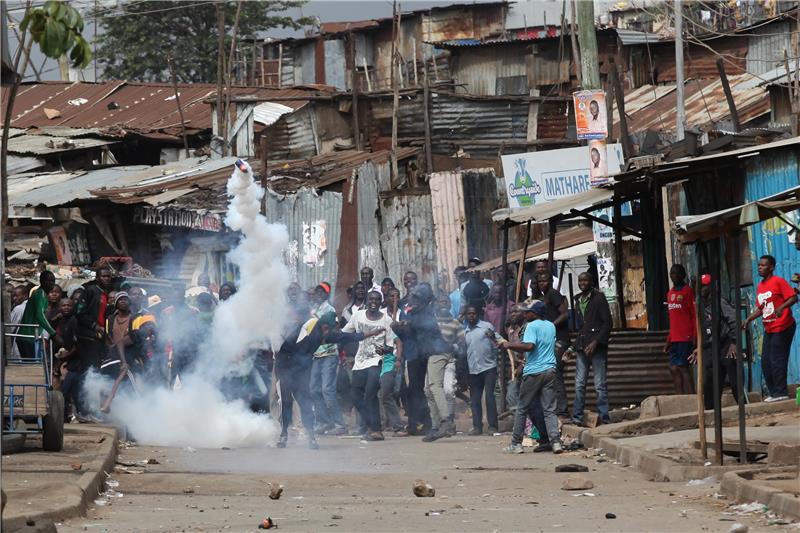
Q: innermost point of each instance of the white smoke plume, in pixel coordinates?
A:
(197, 414)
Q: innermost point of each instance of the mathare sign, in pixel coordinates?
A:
(536, 177)
(177, 218)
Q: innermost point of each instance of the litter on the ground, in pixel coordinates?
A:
(589, 494)
(752, 507)
(704, 481)
(267, 523)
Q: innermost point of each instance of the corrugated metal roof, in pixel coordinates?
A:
(269, 112)
(128, 184)
(17, 164)
(45, 145)
(327, 28)
(146, 109)
(372, 178)
(565, 239)
(654, 108)
(547, 210)
(631, 37)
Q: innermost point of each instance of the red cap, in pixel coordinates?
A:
(705, 279)
(325, 287)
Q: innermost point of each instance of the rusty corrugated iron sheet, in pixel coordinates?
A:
(699, 61)
(475, 21)
(705, 104)
(407, 236)
(119, 107)
(449, 223)
(637, 368)
(372, 177)
(327, 28)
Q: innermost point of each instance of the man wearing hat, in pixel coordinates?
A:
(538, 376)
(323, 372)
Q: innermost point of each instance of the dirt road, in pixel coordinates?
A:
(350, 485)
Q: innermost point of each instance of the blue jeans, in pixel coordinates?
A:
(323, 391)
(775, 360)
(599, 363)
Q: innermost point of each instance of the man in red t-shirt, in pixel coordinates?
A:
(682, 331)
(774, 299)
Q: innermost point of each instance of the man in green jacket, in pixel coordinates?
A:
(35, 314)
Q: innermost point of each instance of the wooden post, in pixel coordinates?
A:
(354, 92)
(521, 268)
(366, 74)
(576, 56)
(503, 311)
(426, 117)
(728, 95)
(618, 263)
(551, 245)
(735, 249)
(395, 95)
(701, 410)
(171, 65)
(590, 68)
(414, 53)
(716, 310)
(253, 66)
(619, 95)
(280, 65)
(263, 141)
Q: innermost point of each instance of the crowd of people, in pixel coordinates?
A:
(392, 360)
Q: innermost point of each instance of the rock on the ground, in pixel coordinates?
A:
(275, 491)
(571, 468)
(423, 489)
(784, 453)
(576, 482)
(738, 528)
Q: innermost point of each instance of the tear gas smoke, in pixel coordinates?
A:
(198, 414)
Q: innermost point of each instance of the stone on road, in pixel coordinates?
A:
(365, 487)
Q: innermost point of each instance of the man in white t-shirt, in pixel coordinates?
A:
(365, 382)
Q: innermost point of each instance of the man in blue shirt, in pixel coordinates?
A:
(538, 376)
(482, 361)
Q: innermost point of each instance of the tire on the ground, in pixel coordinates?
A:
(53, 423)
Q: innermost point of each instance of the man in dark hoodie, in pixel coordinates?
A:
(423, 330)
(91, 315)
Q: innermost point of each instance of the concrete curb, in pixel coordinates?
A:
(736, 486)
(73, 499)
(660, 468)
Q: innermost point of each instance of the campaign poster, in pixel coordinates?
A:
(598, 163)
(590, 114)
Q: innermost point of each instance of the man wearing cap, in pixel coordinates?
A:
(727, 345)
(323, 372)
(538, 376)
(591, 346)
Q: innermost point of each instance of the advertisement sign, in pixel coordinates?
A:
(536, 177)
(590, 114)
(177, 218)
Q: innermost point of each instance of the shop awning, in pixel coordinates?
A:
(570, 243)
(546, 210)
(694, 228)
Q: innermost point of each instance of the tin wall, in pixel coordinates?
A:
(764, 176)
(449, 224)
(372, 179)
(335, 70)
(765, 48)
(480, 67)
(299, 212)
(407, 236)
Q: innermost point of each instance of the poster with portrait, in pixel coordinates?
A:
(60, 243)
(590, 114)
(598, 163)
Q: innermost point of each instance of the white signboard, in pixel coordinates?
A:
(537, 177)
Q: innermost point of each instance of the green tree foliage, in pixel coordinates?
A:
(134, 40)
(56, 27)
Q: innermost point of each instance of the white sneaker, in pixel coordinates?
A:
(777, 399)
(557, 448)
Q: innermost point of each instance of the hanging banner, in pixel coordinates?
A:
(598, 163)
(537, 177)
(590, 114)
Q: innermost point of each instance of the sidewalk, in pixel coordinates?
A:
(57, 485)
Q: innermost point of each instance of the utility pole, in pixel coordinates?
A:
(395, 72)
(590, 69)
(680, 117)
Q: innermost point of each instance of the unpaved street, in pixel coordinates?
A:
(350, 485)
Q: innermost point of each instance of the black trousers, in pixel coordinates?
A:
(417, 405)
(775, 360)
(478, 383)
(294, 387)
(365, 386)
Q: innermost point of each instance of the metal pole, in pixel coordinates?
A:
(680, 117)
(504, 299)
(739, 352)
(716, 272)
(521, 270)
(572, 323)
